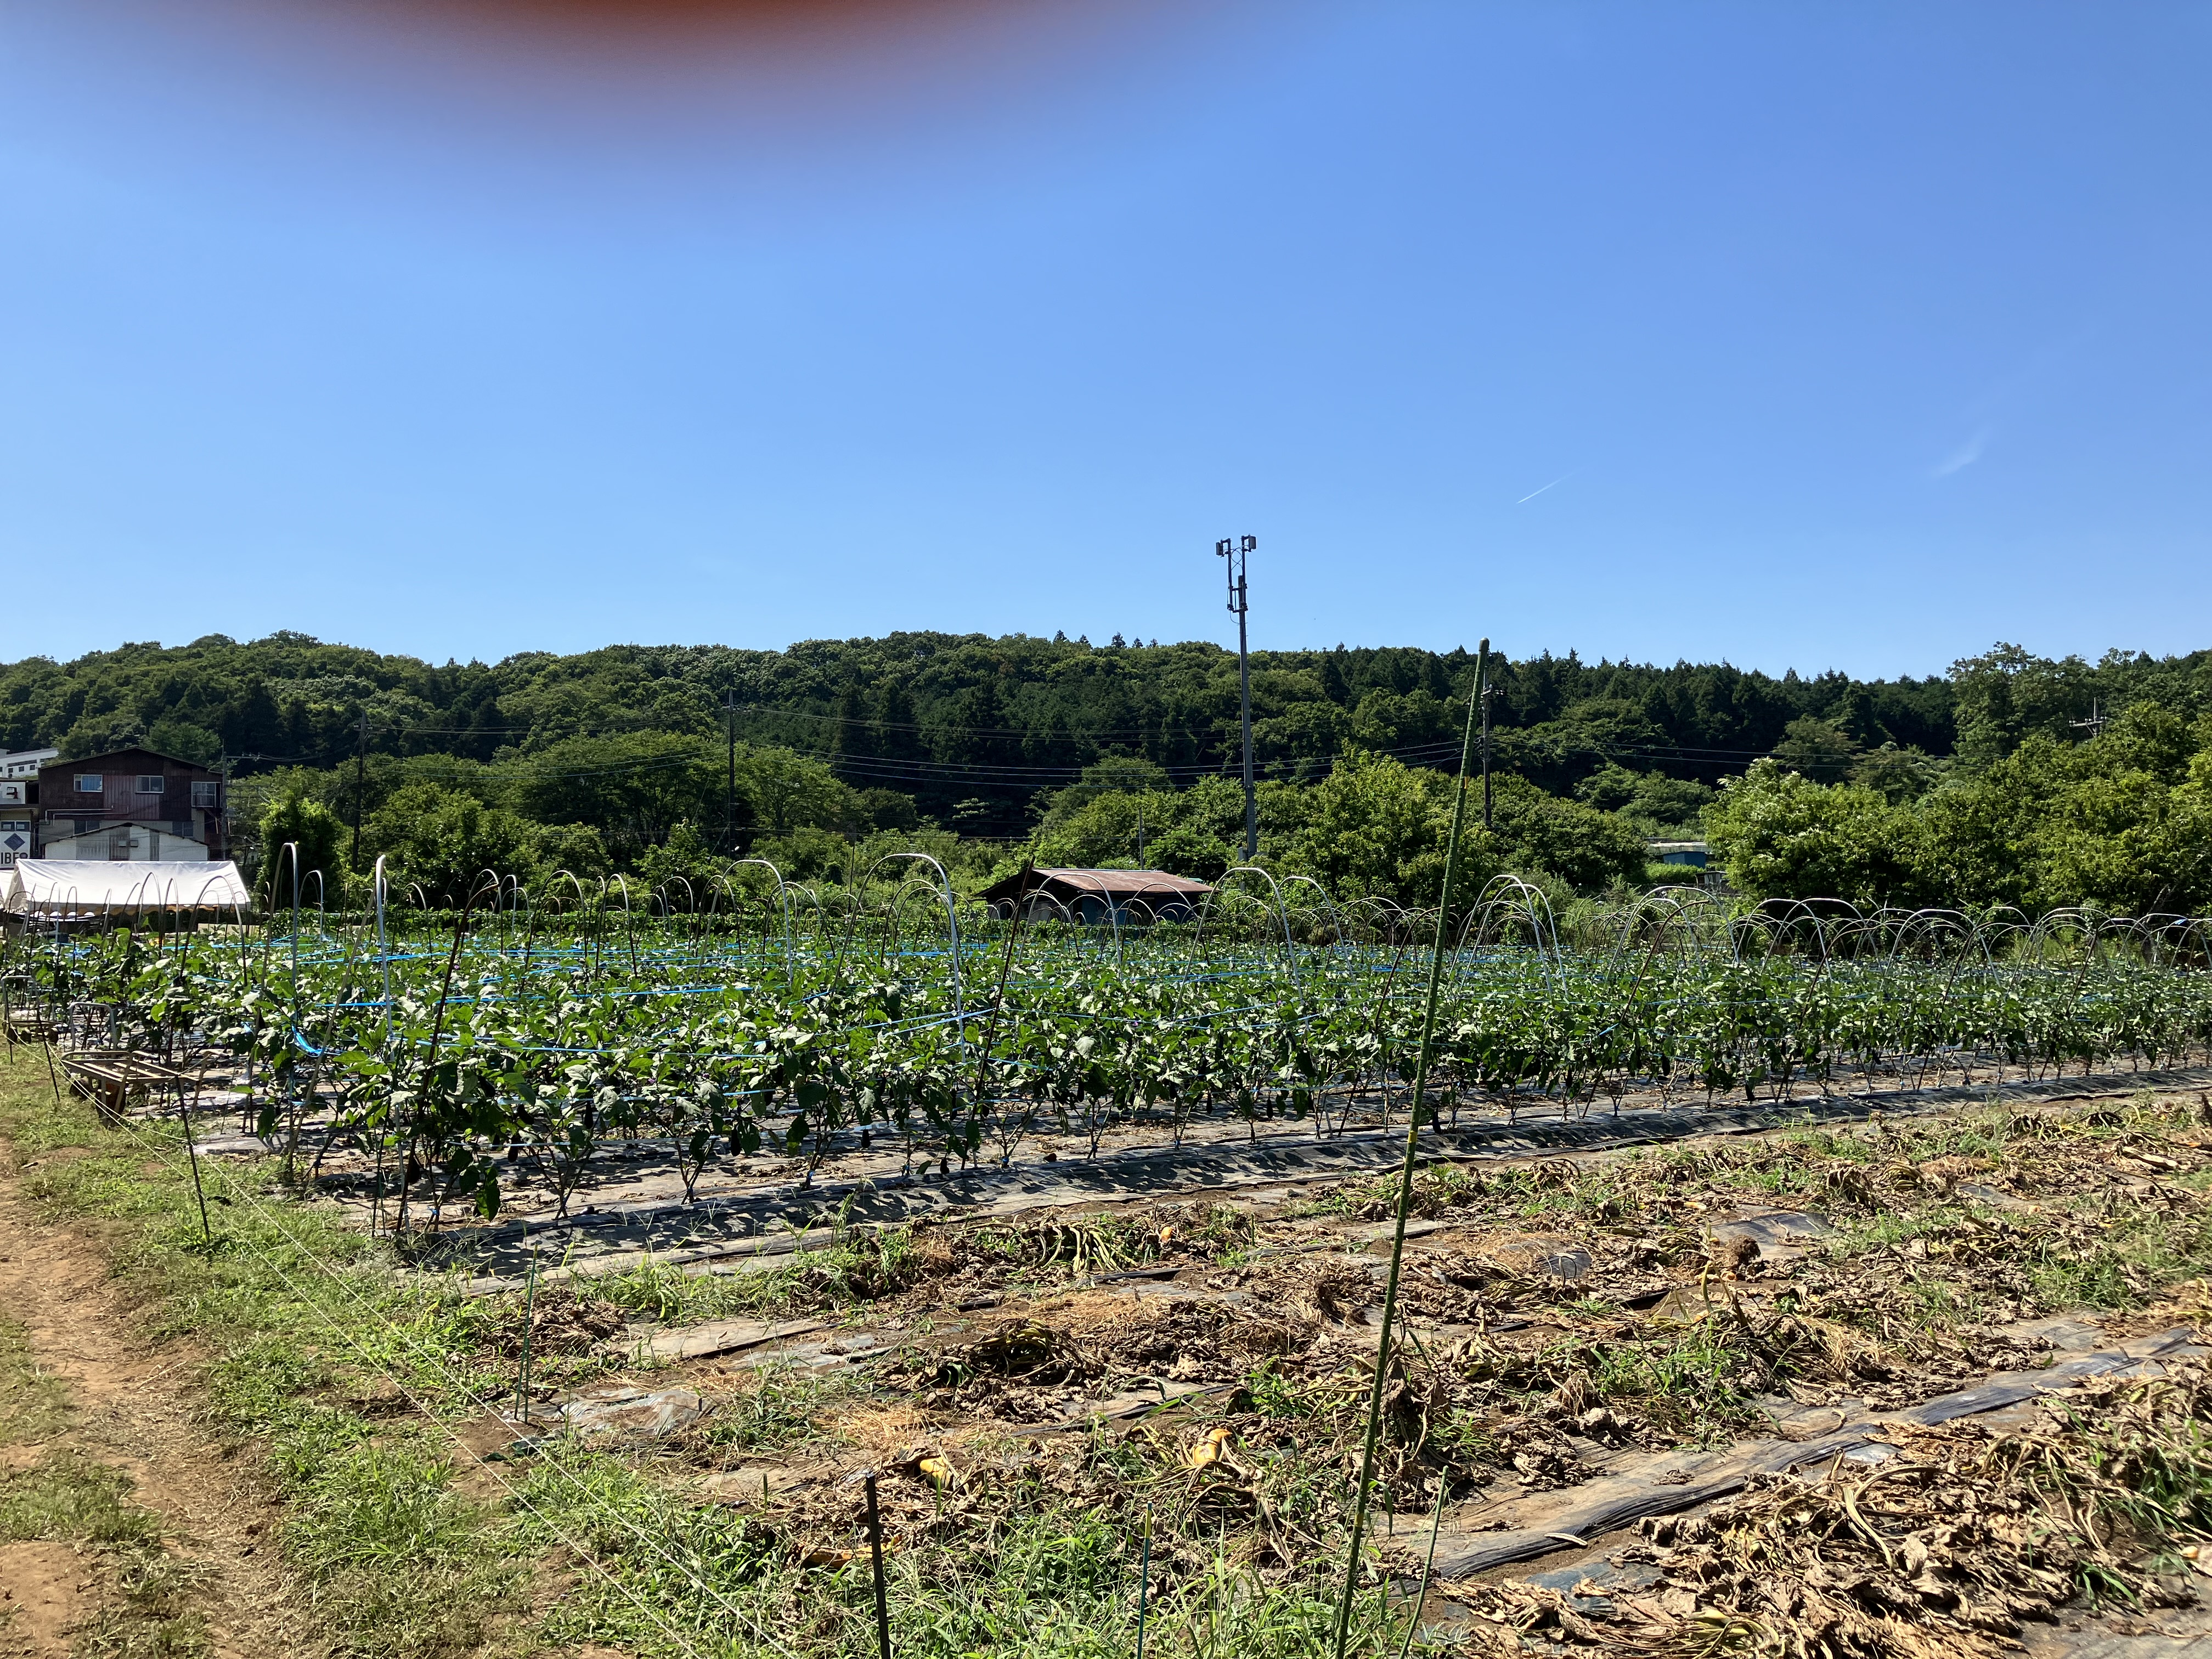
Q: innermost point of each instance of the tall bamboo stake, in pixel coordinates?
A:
(1145, 1583)
(192, 1152)
(529, 1313)
(1405, 1190)
(876, 1565)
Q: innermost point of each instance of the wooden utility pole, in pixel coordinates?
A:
(730, 804)
(223, 803)
(360, 784)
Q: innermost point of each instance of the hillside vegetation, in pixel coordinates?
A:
(2012, 778)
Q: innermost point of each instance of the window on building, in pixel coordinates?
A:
(203, 794)
(90, 783)
(150, 783)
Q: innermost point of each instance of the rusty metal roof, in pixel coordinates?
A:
(1116, 884)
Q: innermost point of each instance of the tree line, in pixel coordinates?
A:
(658, 760)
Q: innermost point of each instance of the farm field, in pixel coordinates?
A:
(864, 829)
(1884, 1340)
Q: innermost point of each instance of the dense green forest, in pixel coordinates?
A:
(2009, 779)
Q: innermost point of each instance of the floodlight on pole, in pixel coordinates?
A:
(1234, 548)
(1484, 689)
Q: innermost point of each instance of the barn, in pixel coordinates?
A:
(1097, 895)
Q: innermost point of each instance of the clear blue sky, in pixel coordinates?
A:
(1799, 334)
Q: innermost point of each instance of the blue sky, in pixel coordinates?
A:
(1813, 336)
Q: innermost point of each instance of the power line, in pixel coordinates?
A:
(911, 769)
(1012, 775)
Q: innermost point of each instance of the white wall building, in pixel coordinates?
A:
(133, 841)
(18, 773)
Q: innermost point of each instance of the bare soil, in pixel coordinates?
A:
(133, 1410)
(45, 1590)
(1543, 1340)
(1146, 1315)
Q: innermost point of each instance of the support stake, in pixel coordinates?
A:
(529, 1303)
(1428, 1564)
(1144, 1581)
(192, 1152)
(1405, 1191)
(876, 1561)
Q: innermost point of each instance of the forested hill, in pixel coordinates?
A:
(2009, 779)
(950, 718)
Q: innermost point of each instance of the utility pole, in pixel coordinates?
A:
(730, 803)
(1482, 690)
(223, 803)
(1235, 549)
(360, 773)
(2095, 726)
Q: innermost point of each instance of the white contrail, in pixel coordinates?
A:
(1964, 456)
(1533, 494)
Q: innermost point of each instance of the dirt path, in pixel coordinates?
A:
(131, 1411)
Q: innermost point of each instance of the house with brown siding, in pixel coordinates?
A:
(132, 804)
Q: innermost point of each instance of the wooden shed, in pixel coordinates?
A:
(1097, 895)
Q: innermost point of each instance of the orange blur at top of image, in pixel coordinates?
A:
(804, 63)
(707, 31)
(656, 22)
(652, 15)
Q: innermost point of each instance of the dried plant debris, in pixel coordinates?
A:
(1944, 1548)
(1560, 1323)
(560, 1321)
(1021, 1371)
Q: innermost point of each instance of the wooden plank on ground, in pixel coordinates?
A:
(1679, 1482)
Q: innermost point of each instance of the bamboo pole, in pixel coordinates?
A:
(1405, 1192)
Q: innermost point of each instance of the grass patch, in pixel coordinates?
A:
(37, 1123)
(860, 1265)
(782, 1407)
(404, 1564)
(665, 1291)
(33, 1404)
(301, 1315)
(2127, 1267)
(69, 1495)
(1056, 1580)
(151, 1616)
(1274, 1394)
(145, 1611)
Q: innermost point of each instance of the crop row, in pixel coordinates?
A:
(464, 1065)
